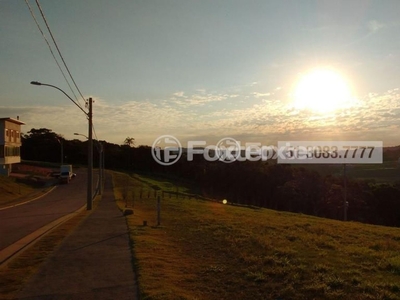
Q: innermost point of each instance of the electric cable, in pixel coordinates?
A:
(58, 49)
(51, 50)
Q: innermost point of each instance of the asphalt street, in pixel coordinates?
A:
(19, 221)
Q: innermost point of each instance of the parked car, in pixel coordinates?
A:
(66, 173)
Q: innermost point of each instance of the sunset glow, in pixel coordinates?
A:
(322, 90)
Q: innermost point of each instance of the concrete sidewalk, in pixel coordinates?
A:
(93, 262)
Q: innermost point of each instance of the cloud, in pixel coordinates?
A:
(142, 120)
(261, 95)
(373, 117)
(198, 99)
(371, 28)
(375, 26)
(274, 119)
(179, 94)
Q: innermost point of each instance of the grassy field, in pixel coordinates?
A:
(31, 183)
(207, 250)
(387, 172)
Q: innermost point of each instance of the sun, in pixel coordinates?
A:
(322, 90)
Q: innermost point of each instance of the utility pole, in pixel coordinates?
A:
(158, 211)
(90, 159)
(62, 152)
(345, 194)
(103, 175)
(62, 149)
(100, 167)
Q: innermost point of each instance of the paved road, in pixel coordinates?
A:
(17, 222)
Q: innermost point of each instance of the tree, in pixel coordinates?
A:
(129, 141)
(128, 149)
(41, 144)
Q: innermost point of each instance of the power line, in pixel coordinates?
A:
(94, 131)
(62, 58)
(51, 50)
(59, 52)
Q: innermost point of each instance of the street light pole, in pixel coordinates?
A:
(90, 159)
(90, 146)
(101, 167)
(53, 86)
(99, 147)
(62, 150)
(345, 203)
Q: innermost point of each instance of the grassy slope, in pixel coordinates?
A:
(10, 189)
(207, 250)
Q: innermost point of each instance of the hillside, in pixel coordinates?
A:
(26, 183)
(10, 189)
(207, 250)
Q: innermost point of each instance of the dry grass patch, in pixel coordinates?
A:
(207, 250)
(11, 190)
(14, 192)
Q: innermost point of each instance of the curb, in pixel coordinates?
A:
(18, 204)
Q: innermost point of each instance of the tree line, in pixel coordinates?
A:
(264, 184)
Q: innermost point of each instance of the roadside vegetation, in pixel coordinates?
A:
(10, 189)
(13, 192)
(207, 250)
(31, 182)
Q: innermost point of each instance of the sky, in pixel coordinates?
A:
(203, 70)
